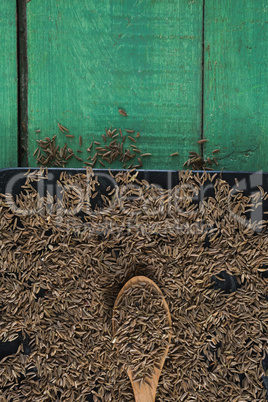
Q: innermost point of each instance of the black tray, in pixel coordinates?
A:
(11, 180)
(165, 178)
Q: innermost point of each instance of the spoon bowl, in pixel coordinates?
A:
(145, 391)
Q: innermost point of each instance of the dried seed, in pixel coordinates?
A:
(60, 127)
(89, 148)
(122, 112)
(209, 160)
(77, 157)
(202, 141)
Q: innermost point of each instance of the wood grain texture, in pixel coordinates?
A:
(89, 58)
(8, 86)
(235, 78)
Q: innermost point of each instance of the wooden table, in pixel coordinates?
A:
(182, 69)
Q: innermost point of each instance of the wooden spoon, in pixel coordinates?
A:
(145, 391)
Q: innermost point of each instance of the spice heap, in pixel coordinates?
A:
(197, 162)
(63, 263)
(141, 330)
(111, 148)
(52, 155)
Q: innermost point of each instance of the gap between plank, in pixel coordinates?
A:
(203, 78)
(22, 66)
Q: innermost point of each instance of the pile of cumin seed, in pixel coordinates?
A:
(141, 331)
(62, 266)
(198, 162)
(110, 148)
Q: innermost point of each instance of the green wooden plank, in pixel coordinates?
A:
(236, 71)
(88, 58)
(8, 85)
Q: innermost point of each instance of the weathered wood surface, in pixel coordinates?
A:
(88, 58)
(236, 78)
(8, 86)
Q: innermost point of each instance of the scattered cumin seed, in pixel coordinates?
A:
(89, 148)
(60, 127)
(122, 112)
(202, 141)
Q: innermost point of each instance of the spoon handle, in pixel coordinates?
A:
(145, 391)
